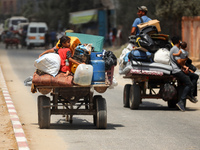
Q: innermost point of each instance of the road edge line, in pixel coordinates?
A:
(16, 124)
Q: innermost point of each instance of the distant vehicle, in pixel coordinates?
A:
(22, 26)
(11, 23)
(12, 39)
(35, 34)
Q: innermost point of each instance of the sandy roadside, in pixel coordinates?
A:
(7, 138)
(26, 108)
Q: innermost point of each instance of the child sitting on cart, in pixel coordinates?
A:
(183, 54)
(65, 54)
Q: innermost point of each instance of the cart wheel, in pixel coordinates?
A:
(126, 95)
(101, 119)
(44, 115)
(70, 119)
(172, 103)
(94, 104)
(134, 96)
(29, 47)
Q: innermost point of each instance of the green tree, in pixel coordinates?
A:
(127, 12)
(171, 12)
(56, 13)
(168, 12)
(27, 10)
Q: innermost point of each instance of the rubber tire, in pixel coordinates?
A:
(101, 108)
(44, 114)
(126, 95)
(29, 46)
(94, 104)
(134, 96)
(172, 103)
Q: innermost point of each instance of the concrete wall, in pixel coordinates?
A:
(191, 35)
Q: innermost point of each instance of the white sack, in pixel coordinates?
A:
(162, 56)
(123, 54)
(49, 63)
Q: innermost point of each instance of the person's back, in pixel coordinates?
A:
(173, 59)
(142, 11)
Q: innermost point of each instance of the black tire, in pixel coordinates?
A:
(172, 103)
(44, 114)
(101, 119)
(94, 104)
(134, 96)
(29, 46)
(126, 95)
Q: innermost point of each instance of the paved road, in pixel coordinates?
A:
(152, 127)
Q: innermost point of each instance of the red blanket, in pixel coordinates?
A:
(48, 80)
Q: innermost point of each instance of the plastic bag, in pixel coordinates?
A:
(162, 56)
(144, 40)
(139, 55)
(28, 81)
(122, 58)
(110, 60)
(168, 92)
(190, 65)
(48, 63)
(114, 83)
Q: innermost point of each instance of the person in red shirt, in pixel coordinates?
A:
(65, 54)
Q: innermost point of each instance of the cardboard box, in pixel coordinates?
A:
(154, 22)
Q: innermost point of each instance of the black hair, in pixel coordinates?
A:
(183, 45)
(63, 39)
(175, 40)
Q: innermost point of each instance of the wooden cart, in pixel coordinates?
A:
(75, 100)
(135, 92)
(12, 40)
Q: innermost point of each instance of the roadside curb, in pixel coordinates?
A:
(17, 126)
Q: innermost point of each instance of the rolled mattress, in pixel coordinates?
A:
(150, 66)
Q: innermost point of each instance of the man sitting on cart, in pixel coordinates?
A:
(189, 79)
(142, 18)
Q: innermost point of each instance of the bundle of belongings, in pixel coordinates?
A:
(147, 53)
(91, 64)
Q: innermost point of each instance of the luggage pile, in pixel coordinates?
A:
(96, 67)
(149, 51)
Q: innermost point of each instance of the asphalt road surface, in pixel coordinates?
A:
(152, 127)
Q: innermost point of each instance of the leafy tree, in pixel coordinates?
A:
(127, 12)
(56, 13)
(168, 12)
(171, 12)
(27, 10)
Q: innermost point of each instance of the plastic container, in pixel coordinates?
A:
(83, 75)
(96, 56)
(98, 68)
